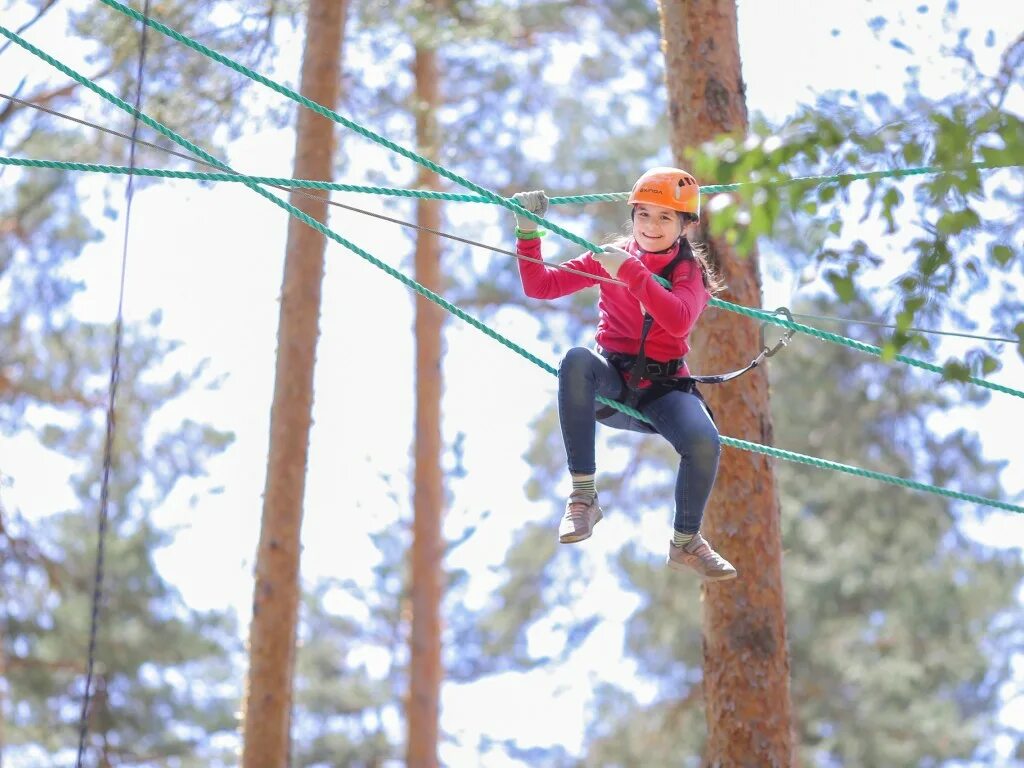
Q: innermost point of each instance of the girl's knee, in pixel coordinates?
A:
(575, 361)
(708, 446)
(702, 444)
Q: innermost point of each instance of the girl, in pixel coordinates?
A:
(639, 359)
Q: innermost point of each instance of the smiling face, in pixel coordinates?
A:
(655, 228)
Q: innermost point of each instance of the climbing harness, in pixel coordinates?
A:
(661, 375)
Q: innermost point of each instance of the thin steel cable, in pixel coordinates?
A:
(108, 441)
(240, 177)
(757, 314)
(490, 332)
(102, 128)
(235, 176)
(850, 321)
(287, 185)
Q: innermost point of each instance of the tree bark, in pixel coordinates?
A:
(423, 706)
(266, 742)
(746, 660)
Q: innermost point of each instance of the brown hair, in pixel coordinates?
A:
(699, 253)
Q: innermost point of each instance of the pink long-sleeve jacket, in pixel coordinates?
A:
(621, 307)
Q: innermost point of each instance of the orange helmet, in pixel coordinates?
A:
(669, 188)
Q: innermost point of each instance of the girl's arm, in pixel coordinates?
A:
(677, 310)
(541, 281)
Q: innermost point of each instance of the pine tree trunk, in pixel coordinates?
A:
(423, 707)
(277, 589)
(746, 660)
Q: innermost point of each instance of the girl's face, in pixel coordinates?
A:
(655, 228)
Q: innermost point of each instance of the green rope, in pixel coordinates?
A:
(243, 179)
(352, 126)
(249, 180)
(835, 338)
(841, 178)
(430, 295)
(755, 313)
(867, 473)
(426, 193)
(181, 141)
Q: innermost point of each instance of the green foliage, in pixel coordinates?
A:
(893, 612)
(165, 677)
(901, 628)
(342, 706)
(959, 229)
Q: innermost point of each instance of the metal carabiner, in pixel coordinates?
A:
(767, 351)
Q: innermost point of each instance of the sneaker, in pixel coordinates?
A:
(700, 557)
(581, 513)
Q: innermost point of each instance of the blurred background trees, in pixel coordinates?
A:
(902, 628)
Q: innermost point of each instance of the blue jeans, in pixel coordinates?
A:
(679, 417)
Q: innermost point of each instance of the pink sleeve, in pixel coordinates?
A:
(677, 310)
(542, 281)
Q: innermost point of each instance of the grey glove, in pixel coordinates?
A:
(535, 202)
(611, 258)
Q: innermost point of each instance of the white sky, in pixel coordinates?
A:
(211, 261)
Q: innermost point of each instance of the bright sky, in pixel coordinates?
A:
(210, 260)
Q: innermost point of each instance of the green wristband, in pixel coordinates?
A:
(529, 235)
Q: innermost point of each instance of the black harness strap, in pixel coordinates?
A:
(638, 370)
(638, 367)
(662, 375)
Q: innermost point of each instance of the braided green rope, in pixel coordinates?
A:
(841, 178)
(352, 126)
(243, 179)
(739, 309)
(835, 338)
(428, 294)
(432, 194)
(867, 473)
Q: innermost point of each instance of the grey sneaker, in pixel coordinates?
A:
(581, 513)
(700, 557)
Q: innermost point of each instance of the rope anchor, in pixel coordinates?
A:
(767, 351)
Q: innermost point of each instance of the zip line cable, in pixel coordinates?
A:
(756, 314)
(108, 441)
(849, 321)
(286, 184)
(429, 194)
(462, 315)
(235, 176)
(488, 195)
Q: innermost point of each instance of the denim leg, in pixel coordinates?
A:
(681, 418)
(582, 375)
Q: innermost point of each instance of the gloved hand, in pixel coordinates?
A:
(611, 258)
(535, 202)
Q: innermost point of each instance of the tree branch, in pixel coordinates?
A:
(46, 6)
(45, 98)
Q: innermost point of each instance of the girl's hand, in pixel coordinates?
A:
(535, 202)
(611, 258)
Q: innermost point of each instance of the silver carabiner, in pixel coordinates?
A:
(786, 336)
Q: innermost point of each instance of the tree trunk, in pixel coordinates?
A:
(277, 589)
(746, 661)
(428, 495)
